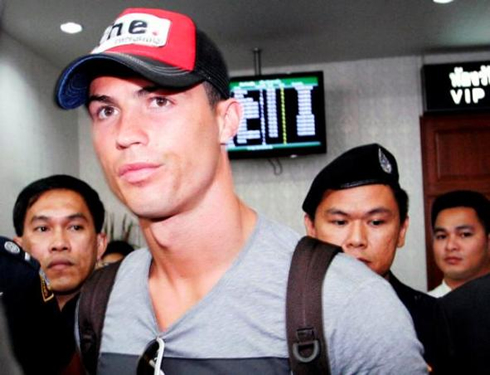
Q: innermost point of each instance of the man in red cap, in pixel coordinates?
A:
(208, 295)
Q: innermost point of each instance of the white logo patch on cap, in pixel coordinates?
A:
(11, 247)
(384, 162)
(135, 28)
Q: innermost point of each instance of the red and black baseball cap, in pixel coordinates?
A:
(161, 46)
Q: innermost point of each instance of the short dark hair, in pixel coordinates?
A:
(463, 198)
(118, 247)
(401, 198)
(31, 193)
(213, 94)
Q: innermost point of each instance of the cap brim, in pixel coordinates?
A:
(73, 84)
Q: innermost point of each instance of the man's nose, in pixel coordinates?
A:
(60, 241)
(452, 243)
(357, 238)
(130, 130)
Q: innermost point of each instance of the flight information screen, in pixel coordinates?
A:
(283, 115)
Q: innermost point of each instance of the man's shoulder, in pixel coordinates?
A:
(410, 295)
(15, 264)
(274, 235)
(277, 230)
(359, 303)
(469, 294)
(351, 273)
(348, 280)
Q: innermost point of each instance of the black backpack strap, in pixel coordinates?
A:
(91, 313)
(304, 318)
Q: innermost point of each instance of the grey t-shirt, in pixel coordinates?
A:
(239, 326)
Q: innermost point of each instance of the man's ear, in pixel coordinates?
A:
(403, 233)
(230, 113)
(101, 245)
(310, 226)
(18, 241)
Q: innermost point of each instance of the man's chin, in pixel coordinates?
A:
(66, 290)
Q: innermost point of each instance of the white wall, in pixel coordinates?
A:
(366, 101)
(36, 138)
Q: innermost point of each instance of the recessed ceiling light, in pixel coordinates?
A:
(71, 28)
(442, 1)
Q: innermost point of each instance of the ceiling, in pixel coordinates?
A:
(289, 32)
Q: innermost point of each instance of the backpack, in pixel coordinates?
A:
(307, 346)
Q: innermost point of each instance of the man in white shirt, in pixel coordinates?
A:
(461, 238)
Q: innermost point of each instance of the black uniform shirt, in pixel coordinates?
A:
(41, 340)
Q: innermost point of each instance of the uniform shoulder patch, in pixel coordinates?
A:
(46, 291)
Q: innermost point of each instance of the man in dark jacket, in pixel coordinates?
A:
(41, 340)
(464, 315)
(356, 202)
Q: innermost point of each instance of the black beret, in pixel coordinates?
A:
(364, 165)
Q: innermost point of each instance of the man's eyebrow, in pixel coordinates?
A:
(380, 210)
(75, 216)
(154, 88)
(99, 98)
(39, 218)
(150, 89)
(335, 211)
(465, 227)
(459, 227)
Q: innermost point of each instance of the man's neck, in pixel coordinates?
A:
(191, 252)
(205, 235)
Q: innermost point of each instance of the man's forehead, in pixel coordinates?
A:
(99, 85)
(363, 200)
(65, 201)
(104, 80)
(457, 215)
(375, 191)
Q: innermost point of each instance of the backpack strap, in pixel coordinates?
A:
(307, 346)
(93, 302)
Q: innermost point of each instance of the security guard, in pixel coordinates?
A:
(41, 340)
(356, 202)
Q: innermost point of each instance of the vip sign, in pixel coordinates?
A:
(469, 83)
(457, 87)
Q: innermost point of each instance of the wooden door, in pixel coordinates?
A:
(455, 155)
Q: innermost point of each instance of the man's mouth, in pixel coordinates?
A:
(453, 260)
(59, 265)
(137, 172)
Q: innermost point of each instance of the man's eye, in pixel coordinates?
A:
(466, 234)
(106, 112)
(339, 223)
(440, 236)
(159, 101)
(41, 229)
(76, 227)
(377, 223)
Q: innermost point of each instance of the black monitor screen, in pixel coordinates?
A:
(283, 115)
